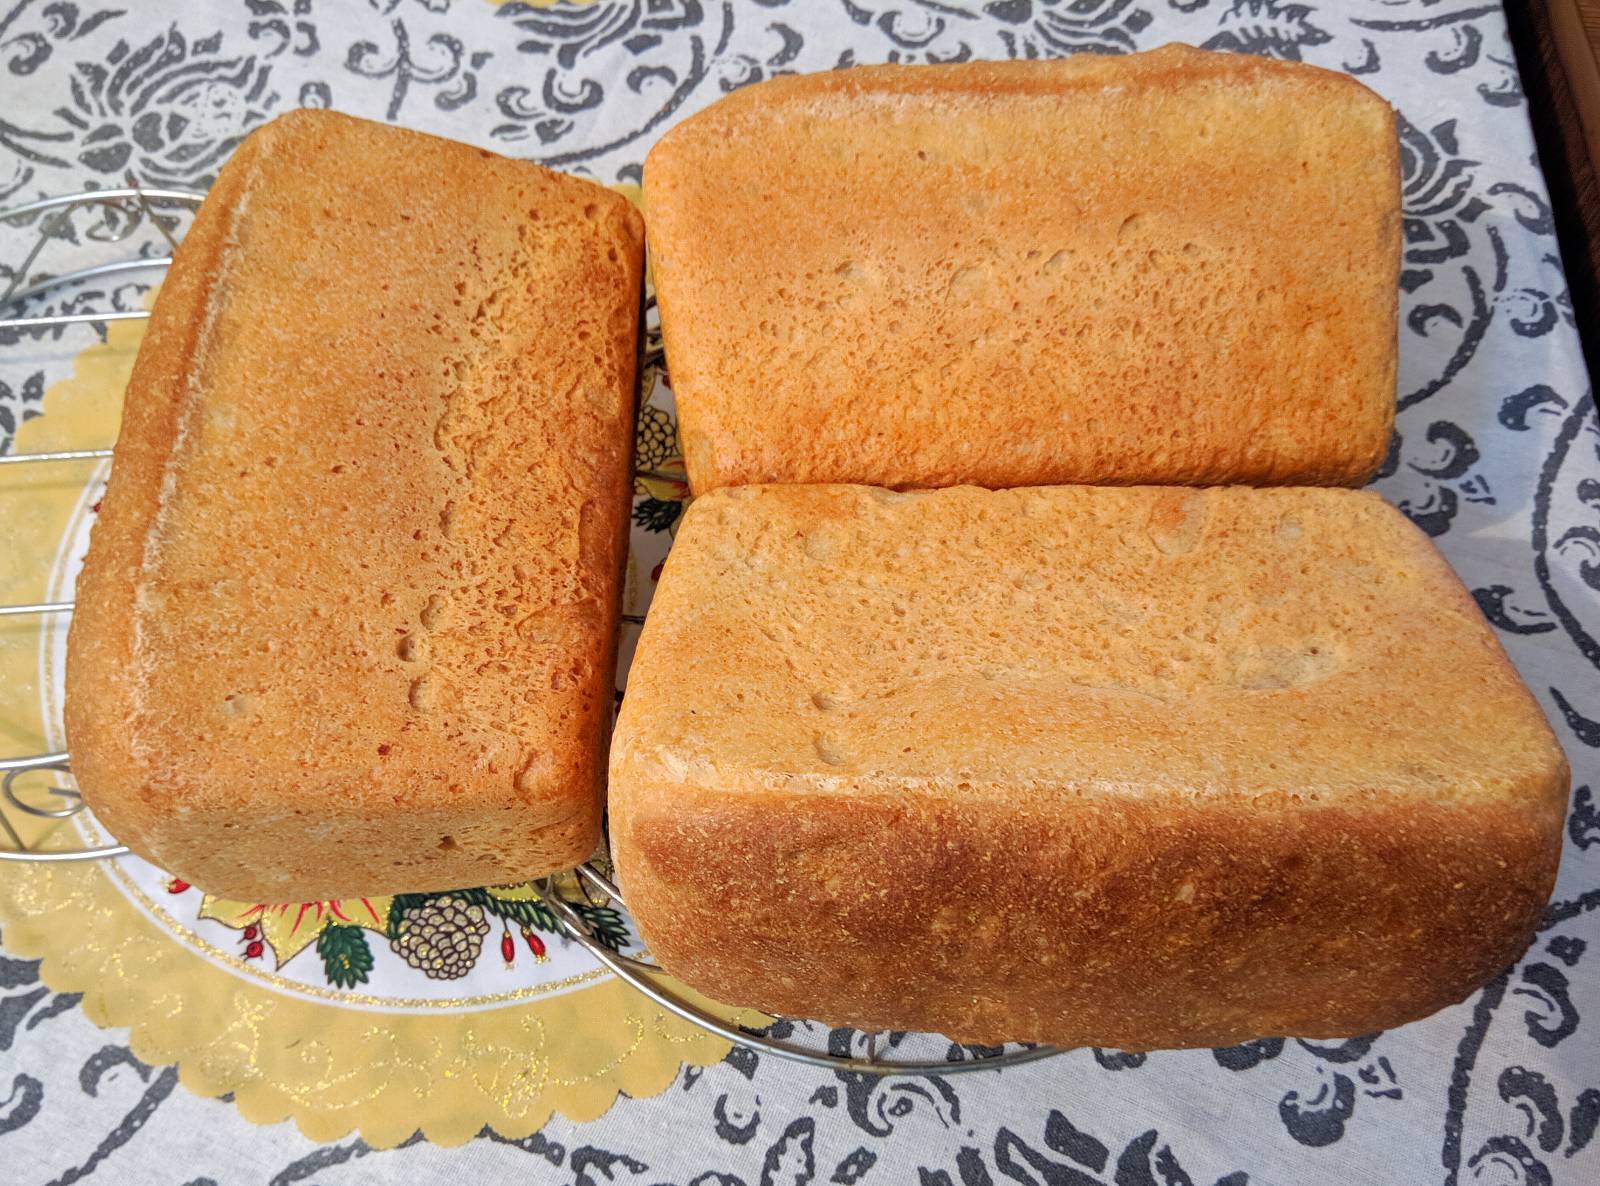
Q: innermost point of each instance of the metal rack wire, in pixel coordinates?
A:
(131, 204)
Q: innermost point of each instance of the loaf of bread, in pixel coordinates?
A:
(347, 620)
(1132, 767)
(1170, 267)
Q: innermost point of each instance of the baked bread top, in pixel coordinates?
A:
(346, 623)
(1174, 267)
(1267, 647)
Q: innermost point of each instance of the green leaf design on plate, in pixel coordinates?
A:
(607, 926)
(656, 514)
(346, 958)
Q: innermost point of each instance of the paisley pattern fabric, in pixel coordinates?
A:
(1496, 454)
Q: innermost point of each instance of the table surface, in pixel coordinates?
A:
(1496, 455)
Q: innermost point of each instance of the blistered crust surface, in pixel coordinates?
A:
(346, 624)
(1174, 267)
(1254, 752)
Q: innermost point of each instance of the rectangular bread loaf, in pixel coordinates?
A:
(1169, 267)
(1129, 767)
(347, 620)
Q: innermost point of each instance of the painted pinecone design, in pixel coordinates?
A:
(656, 439)
(441, 938)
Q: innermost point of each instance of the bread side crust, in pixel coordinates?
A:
(103, 697)
(1110, 923)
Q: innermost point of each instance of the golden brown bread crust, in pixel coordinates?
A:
(1124, 767)
(1174, 266)
(347, 622)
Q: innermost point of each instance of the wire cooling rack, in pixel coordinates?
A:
(123, 210)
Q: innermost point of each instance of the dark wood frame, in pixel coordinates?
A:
(1557, 44)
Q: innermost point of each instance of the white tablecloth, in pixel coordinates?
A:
(1496, 454)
